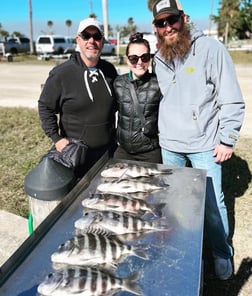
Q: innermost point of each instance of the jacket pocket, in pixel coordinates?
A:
(180, 122)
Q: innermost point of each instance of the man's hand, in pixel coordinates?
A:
(222, 153)
(61, 144)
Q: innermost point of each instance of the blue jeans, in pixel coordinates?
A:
(216, 219)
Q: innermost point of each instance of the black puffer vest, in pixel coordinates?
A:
(130, 135)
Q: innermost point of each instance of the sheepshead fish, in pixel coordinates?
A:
(125, 171)
(117, 203)
(127, 186)
(116, 223)
(91, 249)
(134, 195)
(86, 282)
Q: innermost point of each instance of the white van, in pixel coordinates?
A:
(152, 39)
(54, 44)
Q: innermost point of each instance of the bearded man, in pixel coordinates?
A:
(200, 114)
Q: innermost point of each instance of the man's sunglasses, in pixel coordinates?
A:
(144, 58)
(170, 20)
(86, 36)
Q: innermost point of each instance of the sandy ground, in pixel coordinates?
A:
(20, 85)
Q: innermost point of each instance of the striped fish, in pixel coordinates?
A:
(86, 282)
(107, 222)
(127, 186)
(135, 195)
(125, 171)
(117, 203)
(92, 249)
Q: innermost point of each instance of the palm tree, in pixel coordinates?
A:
(131, 27)
(150, 4)
(93, 15)
(68, 24)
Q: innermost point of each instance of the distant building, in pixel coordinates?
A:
(211, 33)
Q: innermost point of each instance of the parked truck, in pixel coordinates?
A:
(15, 45)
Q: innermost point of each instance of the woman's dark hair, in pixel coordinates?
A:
(137, 38)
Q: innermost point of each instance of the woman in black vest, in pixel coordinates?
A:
(138, 96)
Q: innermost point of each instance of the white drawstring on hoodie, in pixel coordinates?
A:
(93, 74)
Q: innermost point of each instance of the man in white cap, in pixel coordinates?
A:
(79, 91)
(200, 114)
(90, 32)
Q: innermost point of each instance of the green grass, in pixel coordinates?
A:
(241, 57)
(22, 145)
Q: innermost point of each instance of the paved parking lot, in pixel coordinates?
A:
(21, 85)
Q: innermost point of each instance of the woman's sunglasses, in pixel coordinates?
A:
(170, 20)
(144, 58)
(86, 36)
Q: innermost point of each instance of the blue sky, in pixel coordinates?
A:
(14, 14)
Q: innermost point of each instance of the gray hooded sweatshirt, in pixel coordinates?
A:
(202, 104)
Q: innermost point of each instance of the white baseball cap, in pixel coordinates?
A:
(89, 22)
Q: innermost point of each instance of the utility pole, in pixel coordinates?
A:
(31, 27)
(105, 17)
(210, 18)
(91, 6)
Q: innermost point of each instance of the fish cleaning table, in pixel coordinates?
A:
(175, 256)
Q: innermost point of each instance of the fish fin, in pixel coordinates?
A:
(161, 225)
(59, 266)
(167, 171)
(162, 184)
(112, 266)
(138, 196)
(113, 207)
(89, 210)
(122, 165)
(162, 172)
(130, 284)
(110, 269)
(139, 252)
(99, 231)
(131, 236)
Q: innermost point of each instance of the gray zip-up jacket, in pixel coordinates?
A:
(202, 104)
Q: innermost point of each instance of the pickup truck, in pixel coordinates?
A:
(15, 45)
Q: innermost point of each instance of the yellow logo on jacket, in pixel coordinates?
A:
(189, 70)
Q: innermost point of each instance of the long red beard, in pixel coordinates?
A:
(177, 48)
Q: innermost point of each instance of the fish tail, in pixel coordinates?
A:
(163, 185)
(131, 286)
(166, 171)
(139, 252)
(161, 225)
(157, 209)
